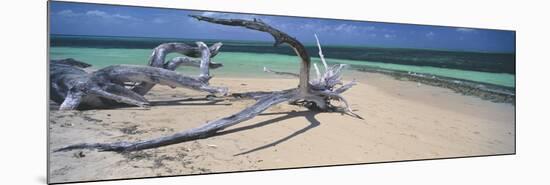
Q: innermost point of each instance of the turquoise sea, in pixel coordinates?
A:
(241, 63)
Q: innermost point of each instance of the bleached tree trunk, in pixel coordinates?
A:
(73, 87)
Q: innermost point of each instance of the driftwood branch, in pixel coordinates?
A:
(206, 130)
(158, 58)
(186, 61)
(315, 94)
(112, 86)
(156, 76)
(281, 73)
(71, 62)
(280, 38)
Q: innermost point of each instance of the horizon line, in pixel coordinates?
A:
(305, 43)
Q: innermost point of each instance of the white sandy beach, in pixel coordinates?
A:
(403, 121)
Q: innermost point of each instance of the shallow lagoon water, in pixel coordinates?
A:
(242, 64)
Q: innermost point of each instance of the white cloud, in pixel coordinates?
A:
(228, 15)
(389, 36)
(105, 15)
(465, 29)
(353, 29)
(369, 28)
(430, 34)
(97, 13)
(159, 21)
(346, 28)
(308, 26)
(211, 14)
(67, 13)
(122, 16)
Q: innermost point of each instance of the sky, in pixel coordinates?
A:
(109, 20)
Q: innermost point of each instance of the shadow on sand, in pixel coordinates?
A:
(309, 115)
(189, 101)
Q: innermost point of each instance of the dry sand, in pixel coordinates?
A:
(403, 121)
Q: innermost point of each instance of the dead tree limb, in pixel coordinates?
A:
(186, 61)
(158, 58)
(281, 73)
(280, 38)
(206, 130)
(74, 88)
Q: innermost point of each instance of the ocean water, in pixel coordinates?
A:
(241, 64)
(503, 79)
(470, 61)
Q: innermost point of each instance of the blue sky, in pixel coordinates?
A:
(92, 19)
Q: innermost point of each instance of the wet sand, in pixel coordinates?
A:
(404, 120)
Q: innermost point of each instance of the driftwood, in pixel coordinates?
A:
(316, 94)
(75, 88)
(158, 57)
